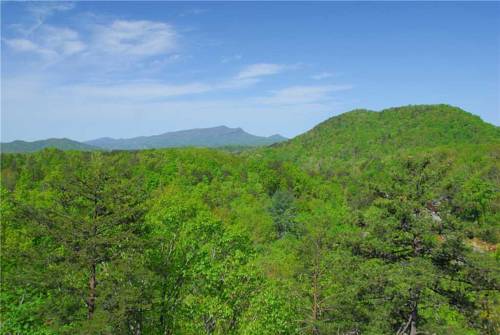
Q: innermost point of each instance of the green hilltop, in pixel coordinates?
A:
(364, 133)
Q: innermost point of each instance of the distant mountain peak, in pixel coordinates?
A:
(217, 136)
(278, 137)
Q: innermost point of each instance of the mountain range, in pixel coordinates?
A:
(358, 133)
(202, 137)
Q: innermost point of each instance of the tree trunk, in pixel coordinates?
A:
(92, 292)
(414, 313)
(92, 276)
(314, 316)
(166, 328)
(138, 329)
(413, 330)
(316, 308)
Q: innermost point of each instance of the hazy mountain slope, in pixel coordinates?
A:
(204, 137)
(58, 143)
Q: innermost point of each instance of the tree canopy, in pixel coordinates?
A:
(371, 223)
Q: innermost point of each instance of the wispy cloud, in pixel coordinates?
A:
(115, 41)
(322, 75)
(135, 38)
(142, 91)
(21, 45)
(40, 11)
(134, 91)
(45, 9)
(260, 70)
(302, 94)
(49, 42)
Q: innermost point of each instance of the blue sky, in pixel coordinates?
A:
(121, 69)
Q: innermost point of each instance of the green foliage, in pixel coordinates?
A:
(270, 312)
(371, 223)
(283, 212)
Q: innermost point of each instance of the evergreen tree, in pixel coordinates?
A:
(416, 256)
(87, 221)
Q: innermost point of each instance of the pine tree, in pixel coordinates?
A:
(419, 262)
(89, 218)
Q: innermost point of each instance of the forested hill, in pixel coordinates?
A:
(364, 133)
(58, 143)
(361, 148)
(203, 137)
(371, 223)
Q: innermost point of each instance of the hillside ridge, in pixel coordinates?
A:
(32, 146)
(363, 132)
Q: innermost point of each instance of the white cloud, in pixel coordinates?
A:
(302, 94)
(21, 44)
(63, 41)
(154, 90)
(322, 75)
(136, 38)
(151, 91)
(38, 12)
(259, 70)
(118, 40)
(50, 42)
(136, 90)
(45, 9)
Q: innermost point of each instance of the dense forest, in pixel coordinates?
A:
(370, 223)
